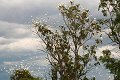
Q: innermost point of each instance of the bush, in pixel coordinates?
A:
(22, 74)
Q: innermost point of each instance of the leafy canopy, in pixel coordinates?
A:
(67, 47)
(22, 74)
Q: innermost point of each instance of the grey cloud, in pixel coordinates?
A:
(16, 42)
(21, 45)
(4, 41)
(19, 11)
(13, 30)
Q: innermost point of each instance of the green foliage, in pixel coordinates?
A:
(68, 52)
(111, 10)
(22, 74)
(111, 63)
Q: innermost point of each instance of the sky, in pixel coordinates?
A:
(18, 43)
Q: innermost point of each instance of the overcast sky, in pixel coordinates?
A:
(16, 18)
(16, 36)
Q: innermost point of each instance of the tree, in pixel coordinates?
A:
(111, 63)
(111, 10)
(67, 47)
(22, 74)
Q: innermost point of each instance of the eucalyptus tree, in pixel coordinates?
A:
(111, 21)
(69, 52)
